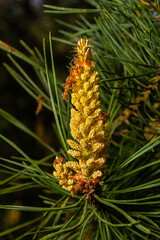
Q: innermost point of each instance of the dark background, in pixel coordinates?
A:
(25, 19)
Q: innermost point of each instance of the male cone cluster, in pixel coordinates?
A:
(89, 127)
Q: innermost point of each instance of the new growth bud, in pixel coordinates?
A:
(89, 127)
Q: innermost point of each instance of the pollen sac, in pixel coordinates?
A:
(88, 125)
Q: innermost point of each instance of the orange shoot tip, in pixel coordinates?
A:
(145, 3)
(7, 46)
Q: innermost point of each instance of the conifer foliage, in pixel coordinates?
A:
(108, 112)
